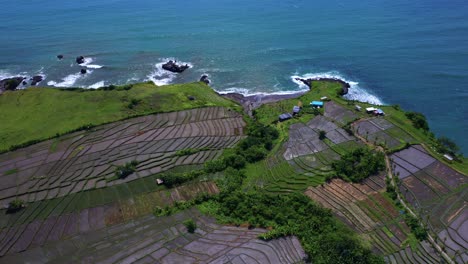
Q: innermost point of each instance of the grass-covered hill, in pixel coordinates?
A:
(40, 113)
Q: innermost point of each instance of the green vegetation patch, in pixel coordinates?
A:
(323, 237)
(359, 164)
(42, 113)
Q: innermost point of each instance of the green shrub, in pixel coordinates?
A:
(15, 205)
(255, 154)
(322, 134)
(172, 179)
(190, 225)
(235, 161)
(215, 165)
(123, 171)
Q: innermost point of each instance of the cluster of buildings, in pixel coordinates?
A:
(297, 109)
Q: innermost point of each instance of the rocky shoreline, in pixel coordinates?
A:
(252, 102)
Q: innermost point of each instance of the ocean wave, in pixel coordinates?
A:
(69, 81)
(159, 76)
(248, 92)
(87, 63)
(27, 77)
(355, 92)
(97, 85)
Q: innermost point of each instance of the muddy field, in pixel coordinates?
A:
(165, 240)
(87, 160)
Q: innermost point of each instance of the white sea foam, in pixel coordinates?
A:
(355, 92)
(162, 77)
(97, 85)
(87, 63)
(69, 80)
(247, 92)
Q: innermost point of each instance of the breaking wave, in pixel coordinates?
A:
(355, 92)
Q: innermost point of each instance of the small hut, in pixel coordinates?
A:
(284, 117)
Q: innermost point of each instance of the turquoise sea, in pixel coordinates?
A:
(411, 53)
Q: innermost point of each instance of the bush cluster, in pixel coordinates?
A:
(447, 146)
(172, 179)
(15, 205)
(190, 225)
(419, 120)
(359, 164)
(251, 149)
(419, 232)
(124, 170)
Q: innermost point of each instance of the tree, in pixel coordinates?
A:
(446, 145)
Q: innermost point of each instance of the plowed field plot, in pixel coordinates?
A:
(382, 131)
(423, 253)
(304, 139)
(339, 113)
(64, 219)
(365, 209)
(438, 193)
(166, 240)
(87, 160)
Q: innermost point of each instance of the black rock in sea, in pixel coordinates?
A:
(36, 79)
(25, 82)
(83, 71)
(204, 78)
(80, 59)
(10, 84)
(60, 56)
(172, 66)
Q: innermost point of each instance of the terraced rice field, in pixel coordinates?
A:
(87, 160)
(166, 240)
(49, 221)
(439, 194)
(304, 160)
(364, 208)
(381, 131)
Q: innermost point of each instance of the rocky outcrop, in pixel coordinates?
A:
(204, 78)
(80, 59)
(10, 84)
(345, 86)
(60, 56)
(36, 79)
(172, 66)
(83, 71)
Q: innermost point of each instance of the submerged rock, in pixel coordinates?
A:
(60, 56)
(36, 79)
(172, 66)
(25, 82)
(10, 84)
(204, 78)
(83, 71)
(80, 59)
(345, 86)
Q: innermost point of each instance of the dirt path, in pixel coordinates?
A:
(388, 166)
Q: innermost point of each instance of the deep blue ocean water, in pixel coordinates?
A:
(411, 53)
